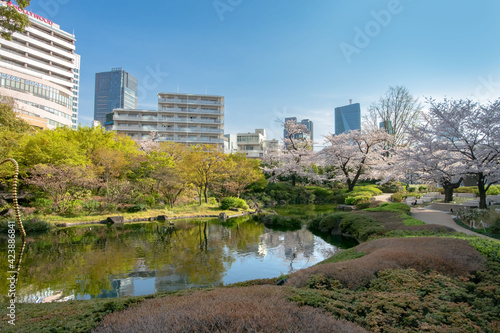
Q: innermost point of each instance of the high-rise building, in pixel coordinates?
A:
(347, 118)
(386, 125)
(184, 118)
(40, 70)
(285, 132)
(116, 89)
(309, 124)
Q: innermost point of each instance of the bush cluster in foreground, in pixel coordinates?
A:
(444, 255)
(246, 309)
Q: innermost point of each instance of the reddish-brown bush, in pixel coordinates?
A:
(248, 309)
(446, 255)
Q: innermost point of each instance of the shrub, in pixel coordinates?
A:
(360, 226)
(422, 188)
(232, 202)
(137, 208)
(466, 189)
(30, 226)
(330, 221)
(212, 201)
(396, 197)
(321, 281)
(362, 205)
(357, 199)
(493, 190)
(372, 189)
(43, 206)
(246, 309)
(111, 207)
(390, 187)
(495, 228)
(445, 255)
(91, 206)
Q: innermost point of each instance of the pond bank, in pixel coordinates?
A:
(113, 219)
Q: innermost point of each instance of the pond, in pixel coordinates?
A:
(139, 259)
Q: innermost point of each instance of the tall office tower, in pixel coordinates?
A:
(184, 118)
(40, 70)
(309, 125)
(308, 134)
(285, 132)
(347, 118)
(116, 89)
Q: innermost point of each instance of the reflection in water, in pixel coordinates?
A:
(140, 259)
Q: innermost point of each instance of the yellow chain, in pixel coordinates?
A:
(14, 196)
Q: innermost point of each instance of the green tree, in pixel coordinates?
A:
(11, 20)
(238, 174)
(202, 166)
(8, 118)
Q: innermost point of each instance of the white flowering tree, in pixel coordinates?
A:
(429, 163)
(356, 155)
(465, 140)
(295, 159)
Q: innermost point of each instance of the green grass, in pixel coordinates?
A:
(345, 255)
(397, 207)
(408, 220)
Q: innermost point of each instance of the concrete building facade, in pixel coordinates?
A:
(40, 70)
(184, 118)
(255, 145)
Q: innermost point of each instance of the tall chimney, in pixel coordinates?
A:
(350, 101)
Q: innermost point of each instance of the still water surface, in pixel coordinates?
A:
(139, 259)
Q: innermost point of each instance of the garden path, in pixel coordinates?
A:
(432, 216)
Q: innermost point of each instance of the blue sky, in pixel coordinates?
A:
(275, 59)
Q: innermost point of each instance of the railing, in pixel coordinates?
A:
(179, 110)
(186, 120)
(188, 101)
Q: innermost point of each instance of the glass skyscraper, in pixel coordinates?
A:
(116, 89)
(347, 118)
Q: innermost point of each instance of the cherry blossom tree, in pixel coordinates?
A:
(295, 159)
(356, 155)
(464, 135)
(429, 163)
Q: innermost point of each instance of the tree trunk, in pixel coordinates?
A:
(294, 179)
(448, 189)
(448, 194)
(481, 186)
(350, 185)
(205, 193)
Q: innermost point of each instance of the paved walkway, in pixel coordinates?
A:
(385, 197)
(432, 216)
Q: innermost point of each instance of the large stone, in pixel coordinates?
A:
(222, 216)
(115, 220)
(162, 218)
(345, 208)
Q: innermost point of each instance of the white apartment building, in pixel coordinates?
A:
(40, 70)
(184, 118)
(254, 145)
